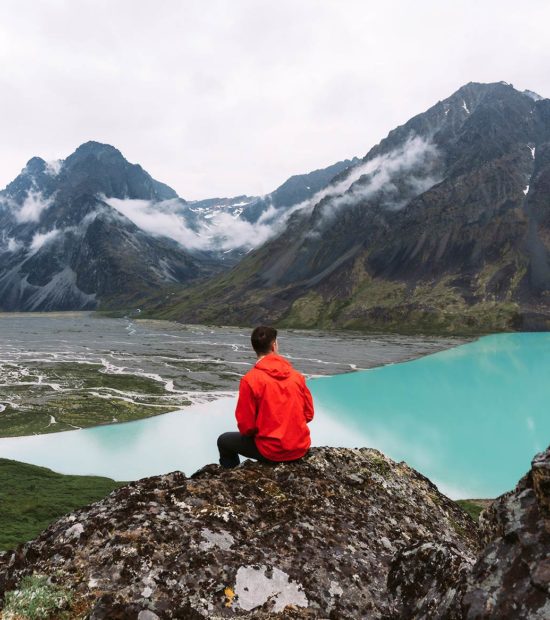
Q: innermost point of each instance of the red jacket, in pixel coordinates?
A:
(274, 407)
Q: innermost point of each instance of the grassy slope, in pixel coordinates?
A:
(32, 497)
(474, 506)
(351, 299)
(79, 408)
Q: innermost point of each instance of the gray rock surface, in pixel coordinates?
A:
(511, 579)
(313, 539)
(341, 534)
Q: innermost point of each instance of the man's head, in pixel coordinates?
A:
(264, 340)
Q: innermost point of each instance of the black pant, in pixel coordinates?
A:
(231, 445)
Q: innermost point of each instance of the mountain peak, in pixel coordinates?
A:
(97, 168)
(35, 165)
(496, 87)
(98, 150)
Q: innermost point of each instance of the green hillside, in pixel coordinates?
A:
(32, 497)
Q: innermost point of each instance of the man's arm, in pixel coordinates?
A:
(308, 403)
(246, 410)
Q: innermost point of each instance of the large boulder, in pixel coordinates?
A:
(511, 576)
(311, 539)
(511, 579)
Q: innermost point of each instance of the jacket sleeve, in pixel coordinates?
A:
(246, 410)
(308, 404)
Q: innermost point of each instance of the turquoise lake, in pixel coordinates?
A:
(470, 418)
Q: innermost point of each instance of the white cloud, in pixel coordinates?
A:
(222, 231)
(32, 207)
(158, 219)
(415, 159)
(13, 245)
(231, 232)
(237, 97)
(9, 244)
(53, 167)
(40, 239)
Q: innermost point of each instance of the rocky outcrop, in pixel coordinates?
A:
(341, 534)
(511, 579)
(313, 539)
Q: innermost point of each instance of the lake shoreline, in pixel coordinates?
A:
(64, 390)
(438, 413)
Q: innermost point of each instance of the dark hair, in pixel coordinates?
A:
(262, 338)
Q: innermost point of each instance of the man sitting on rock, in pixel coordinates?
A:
(273, 409)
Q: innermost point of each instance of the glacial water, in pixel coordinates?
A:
(470, 418)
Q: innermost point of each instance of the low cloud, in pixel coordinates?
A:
(223, 231)
(13, 245)
(393, 180)
(395, 177)
(53, 167)
(413, 165)
(233, 232)
(9, 244)
(33, 206)
(40, 239)
(415, 159)
(159, 218)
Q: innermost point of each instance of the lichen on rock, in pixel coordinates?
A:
(316, 538)
(511, 578)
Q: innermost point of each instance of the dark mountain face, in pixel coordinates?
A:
(100, 168)
(295, 190)
(62, 247)
(260, 217)
(94, 229)
(443, 225)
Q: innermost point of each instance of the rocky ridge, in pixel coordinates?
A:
(341, 534)
(442, 227)
(94, 229)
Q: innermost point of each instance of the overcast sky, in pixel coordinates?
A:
(227, 97)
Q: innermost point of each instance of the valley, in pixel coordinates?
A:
(63, 372)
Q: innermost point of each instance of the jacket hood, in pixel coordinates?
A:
(275, 366)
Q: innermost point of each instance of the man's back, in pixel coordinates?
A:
(274, 407)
